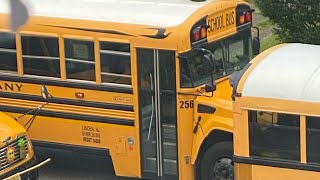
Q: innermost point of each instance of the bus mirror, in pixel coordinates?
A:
(210, 88)
(256, 46)
(44, 92)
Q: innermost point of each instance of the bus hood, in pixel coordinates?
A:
(9, 129)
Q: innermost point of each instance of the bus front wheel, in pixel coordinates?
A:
(217, 162)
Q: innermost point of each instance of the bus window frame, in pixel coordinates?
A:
(287, 124)
(39, 35)
(94, 62)
(14, 51)
(114, 52)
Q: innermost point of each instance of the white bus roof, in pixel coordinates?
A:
(147, 12)
(291, 72)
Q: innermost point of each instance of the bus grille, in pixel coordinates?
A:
(20, 147)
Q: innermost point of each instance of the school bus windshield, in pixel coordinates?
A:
(229, 54)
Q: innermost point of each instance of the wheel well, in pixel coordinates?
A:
(214, 137)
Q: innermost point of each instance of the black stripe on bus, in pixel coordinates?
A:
(159, 35)
(66, 84)
(72, 116)
(276, 163)
(90, 30)
(68, 101)
(70, 147)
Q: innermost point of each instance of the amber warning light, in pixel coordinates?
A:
(199, 33)
(246, 17)
(79, 95)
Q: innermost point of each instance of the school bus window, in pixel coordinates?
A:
(115, 63)
(237, 52)
(8, 52)
(195, 69)
(230, 54)
(145, 73)
(313, 139)
(40, 56)
(80, 62)
(219, 56)
(274, 135)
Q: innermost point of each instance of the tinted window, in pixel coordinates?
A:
(8, 57)
(274, 135)
(115, 63)
(79, 57)
(313, 139)
(229, 54)
(238, 52)
(40, 56)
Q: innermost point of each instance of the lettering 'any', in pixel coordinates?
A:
(10, 87)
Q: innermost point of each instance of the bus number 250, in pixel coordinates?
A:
(186, 104)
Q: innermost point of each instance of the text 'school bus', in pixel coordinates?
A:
(16, 152)
(131, 79)
(277, 115)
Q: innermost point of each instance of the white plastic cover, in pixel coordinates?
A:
(291, 72)
(148, 12)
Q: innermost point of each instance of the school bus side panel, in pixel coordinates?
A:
(267, 172)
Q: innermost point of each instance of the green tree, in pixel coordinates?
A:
(295, 20)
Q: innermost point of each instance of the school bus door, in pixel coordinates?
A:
(157, 113)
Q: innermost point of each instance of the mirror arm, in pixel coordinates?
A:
(191, 94)
(258, 31)
(32, 110)
(17, 118)
(211, 78)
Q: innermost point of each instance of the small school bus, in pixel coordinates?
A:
(277, 115)
(130, 79)
(16, 151)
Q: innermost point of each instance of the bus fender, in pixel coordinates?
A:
(214, 124)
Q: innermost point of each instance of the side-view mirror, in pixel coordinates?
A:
(256, 46)
(44, 92)
(209, 58)
(210, 88)
(234, 78)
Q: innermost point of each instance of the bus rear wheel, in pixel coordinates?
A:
(217, 163)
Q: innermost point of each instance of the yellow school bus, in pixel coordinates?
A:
(16, 151)
(277, 115)
(131, 79)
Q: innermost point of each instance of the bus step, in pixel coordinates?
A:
(170, 166)
(169, 132)
(169, 150)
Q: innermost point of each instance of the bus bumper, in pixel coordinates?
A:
(32, 175)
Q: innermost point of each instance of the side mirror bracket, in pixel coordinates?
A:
(210, 88)
(256, 42)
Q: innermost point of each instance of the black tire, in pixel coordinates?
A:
(217, 163)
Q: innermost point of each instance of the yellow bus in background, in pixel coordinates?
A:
(16, 151)
(131, 79)
(277, 115)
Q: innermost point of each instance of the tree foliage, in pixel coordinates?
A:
(296, 20)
